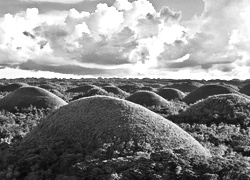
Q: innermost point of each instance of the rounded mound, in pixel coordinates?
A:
(91, 92)
(115, 90)
(147, 88)
(104, 84)
(185, 86)
(208, 90)
(24, 97)
(245, 89)
(228, 108)
(81, 89)
(171, 93)
(57, 93)
(118, 126)
(48, 86)
(12, 87)
(148, 98)
(131, 88)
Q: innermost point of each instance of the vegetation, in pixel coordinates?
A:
(90, 139)
(30, 95)
(14, 126)
(130, 88)
(12, 87)
(147, 88)
(185, 86)
(208, 90)
(116, 91)
(148, 98)
(170, 93)
(81, 89)
(227, 108)
(245, 89)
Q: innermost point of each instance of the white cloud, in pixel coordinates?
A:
(56, 1)
(131, 37)
(220, 44)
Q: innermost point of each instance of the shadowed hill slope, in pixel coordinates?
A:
(245, 89)
(185, 86)
(81, 89)
(52, 86)
(118, 126)
(131, 88)
(30, 95)
(115, 90)
(91, 92)
(12, 87)
(104, 84)
(148, 98)
(147, 88)
(227, 108)
(206, 91)
(170, 93)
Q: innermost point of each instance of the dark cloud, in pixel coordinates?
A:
(168, 14)
(104, 59)
(69, 69)
(29, 35)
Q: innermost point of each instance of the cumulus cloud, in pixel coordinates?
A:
(112, 37)
(56, 1)
(221, 42)
(129, 38)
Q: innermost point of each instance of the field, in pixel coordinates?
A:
(124, 129)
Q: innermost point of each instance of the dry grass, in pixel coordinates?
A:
(171, 93)
(26, 96)
(112, 126)
(206, 91)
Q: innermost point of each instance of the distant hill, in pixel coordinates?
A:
(26, 96)
(208, 90)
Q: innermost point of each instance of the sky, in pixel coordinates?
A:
(178, 39)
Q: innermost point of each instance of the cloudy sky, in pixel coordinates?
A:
(197, 39)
